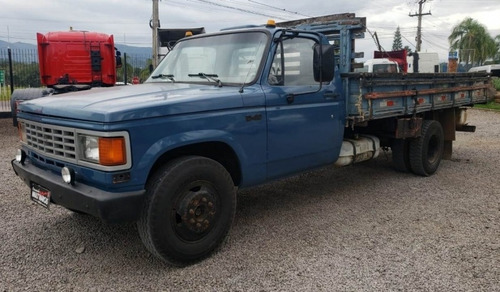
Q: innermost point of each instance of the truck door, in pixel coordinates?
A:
(304, 117)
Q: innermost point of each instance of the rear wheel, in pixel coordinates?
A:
(188, 211)
(426, 151)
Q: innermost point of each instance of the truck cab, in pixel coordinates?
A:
(382, 65)
(77, 57)
(492, 69)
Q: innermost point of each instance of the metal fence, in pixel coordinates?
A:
(19, 68)
(23, 64)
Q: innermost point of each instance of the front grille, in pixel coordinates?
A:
(53, 141)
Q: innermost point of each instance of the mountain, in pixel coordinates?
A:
(16, 46)
(136, 56)
(134, 51)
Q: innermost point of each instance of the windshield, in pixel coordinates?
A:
(220, 59)
(385, 68)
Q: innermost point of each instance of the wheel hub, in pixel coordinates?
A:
(197, 212)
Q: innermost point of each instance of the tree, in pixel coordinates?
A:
(397, 44)
(497, 54)
(473, 42)
(488, 49)
(120, 73)
(144, 74)
(27, 75)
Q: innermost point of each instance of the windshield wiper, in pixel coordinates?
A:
(163, 76)
(210, 77)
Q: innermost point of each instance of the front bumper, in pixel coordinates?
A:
(110, 207)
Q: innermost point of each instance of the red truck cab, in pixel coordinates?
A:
(76, 57)
(396, 56)
(71, 61)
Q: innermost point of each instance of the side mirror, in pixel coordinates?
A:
(324, 63)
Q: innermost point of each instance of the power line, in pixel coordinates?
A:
(249, 7)
(435, 43)
(238, 9)
(278, 8)
(408, 41)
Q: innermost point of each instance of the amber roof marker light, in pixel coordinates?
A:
(271, 23)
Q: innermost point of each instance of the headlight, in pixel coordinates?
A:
(107, 151)
(90, 148)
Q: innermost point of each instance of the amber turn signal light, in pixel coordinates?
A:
(112, 151)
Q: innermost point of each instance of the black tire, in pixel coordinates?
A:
(401, 155)
(426, 151)
(188, 210)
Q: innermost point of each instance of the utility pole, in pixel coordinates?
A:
(155, 24)
(419, 28)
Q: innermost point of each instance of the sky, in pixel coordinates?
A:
(128, 20)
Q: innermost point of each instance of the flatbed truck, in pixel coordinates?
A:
(229, 110)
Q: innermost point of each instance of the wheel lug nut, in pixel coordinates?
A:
(210, 204)
(204, 200)
(191, 211)
(191, 221)
(198, 225)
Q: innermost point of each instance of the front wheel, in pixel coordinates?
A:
(426, 151)
(189, 208)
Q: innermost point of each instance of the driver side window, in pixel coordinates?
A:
(293, 63)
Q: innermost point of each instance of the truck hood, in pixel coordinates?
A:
(121, 103)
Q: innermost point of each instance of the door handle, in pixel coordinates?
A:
(290, 98)
(330, 95)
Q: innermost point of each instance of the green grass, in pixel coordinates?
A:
(491, 105)
(496, 83)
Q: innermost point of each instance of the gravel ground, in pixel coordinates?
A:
(364, 227)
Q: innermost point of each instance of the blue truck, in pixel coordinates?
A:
(229, 110)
